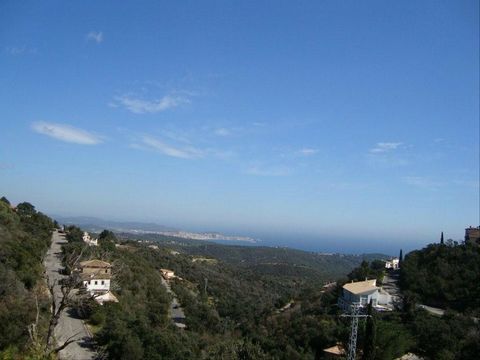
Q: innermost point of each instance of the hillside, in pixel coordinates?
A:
(444, 276)
(240, 302)
(278, 261)
(24, 240)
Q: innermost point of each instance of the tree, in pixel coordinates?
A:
(49, 348)
(25, 209)
(107, 235)
(107, 240)
(400, 258)
(441, 238)
(370, 335)
(5, 200)
(74, 233)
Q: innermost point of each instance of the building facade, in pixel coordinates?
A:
(393, 264)
(361, 293)
(95, 276)
(472, 235)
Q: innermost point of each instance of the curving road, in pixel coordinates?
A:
(68, 324)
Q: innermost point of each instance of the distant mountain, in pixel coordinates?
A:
(93, 224)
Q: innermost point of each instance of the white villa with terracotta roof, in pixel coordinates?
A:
(362, 292)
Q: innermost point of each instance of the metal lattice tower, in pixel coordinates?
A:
(352, 342)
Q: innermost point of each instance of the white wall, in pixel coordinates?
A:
(97, 285)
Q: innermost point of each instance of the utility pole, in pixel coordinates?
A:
(352, 342)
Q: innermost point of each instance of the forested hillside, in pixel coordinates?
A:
(240, 302)
(445, 276)
(24, 239)
(276, 261)
(232, 297)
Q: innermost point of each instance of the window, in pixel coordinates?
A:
(106, 271)
(96, 282)
(103, 282)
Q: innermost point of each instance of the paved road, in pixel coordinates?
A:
(68, 325)
(175, 312)
(390, 285)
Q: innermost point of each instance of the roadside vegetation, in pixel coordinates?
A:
(24, 239)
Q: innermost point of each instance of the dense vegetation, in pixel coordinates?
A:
(232, 309)
(240, 302)
(445, 276)
(24, 239)
(277, 261)
(235, 303)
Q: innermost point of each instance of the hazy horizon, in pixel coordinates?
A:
(303, 241)
(351, 121)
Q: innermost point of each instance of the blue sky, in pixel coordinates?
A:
(310, 121)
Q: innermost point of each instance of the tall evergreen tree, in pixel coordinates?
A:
(370, 335)
(441, 238)
(400, 258)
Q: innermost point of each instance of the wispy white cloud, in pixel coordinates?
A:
(383, 147)
(140, 106)
(188, 152)
(222, 132)
(258, 170)
(96, 36)
(259, 124)
(389, 154)
(307, 151)
(66, 133)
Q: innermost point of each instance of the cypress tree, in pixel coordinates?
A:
(400, 258)
(370, 335)
(441, 238)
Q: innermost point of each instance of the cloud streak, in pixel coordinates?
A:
(268, 171)
(66, 133)
(188, 152)
(222, 132)
(95, 36)
(140, 106)
(383, 147)
(307, 151)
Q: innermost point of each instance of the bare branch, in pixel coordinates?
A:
(65, 344)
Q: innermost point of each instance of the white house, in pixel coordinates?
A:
(96, 283)
(362, 292)
(95, 275)
(393, 264)
(167, 274)
(91, 242)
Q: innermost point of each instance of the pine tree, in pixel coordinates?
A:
(370, 335)
(441, 238)
(400, 258)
